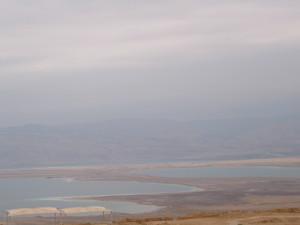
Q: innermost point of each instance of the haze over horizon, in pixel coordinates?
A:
(72, 61)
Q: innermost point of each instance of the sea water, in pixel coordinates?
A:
(43, 192)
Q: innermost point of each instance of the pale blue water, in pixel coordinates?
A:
(251, 171)
(29, 193)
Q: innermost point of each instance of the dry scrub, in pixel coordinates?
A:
(219, 218)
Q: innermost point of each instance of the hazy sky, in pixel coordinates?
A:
(91, 60)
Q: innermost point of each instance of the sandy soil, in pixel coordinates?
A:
(212, 218)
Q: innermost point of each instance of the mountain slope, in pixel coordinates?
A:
(142, 140)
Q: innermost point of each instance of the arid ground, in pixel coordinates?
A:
(282, 216)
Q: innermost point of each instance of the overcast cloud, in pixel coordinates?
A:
(69, 60)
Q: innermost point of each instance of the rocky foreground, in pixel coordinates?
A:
(279, 216)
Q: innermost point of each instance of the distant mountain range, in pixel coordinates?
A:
(149, 140)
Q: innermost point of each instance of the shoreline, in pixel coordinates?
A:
(215, 193)
(104, 171)
(278, 162)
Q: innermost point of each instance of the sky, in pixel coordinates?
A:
(67, 61)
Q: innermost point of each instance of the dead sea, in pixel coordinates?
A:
(218, 193)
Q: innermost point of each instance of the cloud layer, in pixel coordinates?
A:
(63, 61)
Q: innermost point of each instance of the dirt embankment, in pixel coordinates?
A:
(279, 216)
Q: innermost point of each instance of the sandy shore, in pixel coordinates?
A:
(215, 194)
(84, 172)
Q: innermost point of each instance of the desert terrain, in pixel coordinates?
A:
(280, 216)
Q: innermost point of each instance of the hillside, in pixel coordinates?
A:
(149, 140)
(279, 216)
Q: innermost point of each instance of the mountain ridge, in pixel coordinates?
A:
(131, 140)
